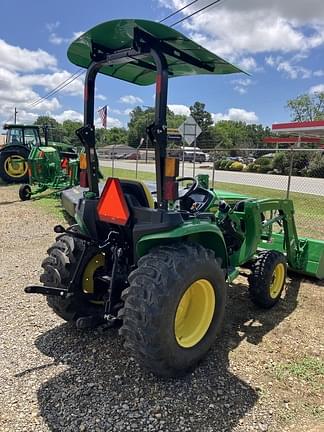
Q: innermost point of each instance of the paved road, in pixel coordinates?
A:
(313, 186)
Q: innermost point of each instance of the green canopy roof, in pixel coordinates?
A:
(119, 34)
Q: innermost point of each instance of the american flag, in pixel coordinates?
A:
(103, 115)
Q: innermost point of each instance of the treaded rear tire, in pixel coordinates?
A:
(4, 154)
(59, 268)
(151, 302)
(261, 277)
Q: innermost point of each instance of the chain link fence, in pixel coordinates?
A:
(295, 173)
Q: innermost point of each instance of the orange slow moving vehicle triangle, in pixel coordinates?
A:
(112, 206)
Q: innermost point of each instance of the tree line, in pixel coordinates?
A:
(227, 134)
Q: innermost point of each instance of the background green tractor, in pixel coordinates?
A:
(159, 270)
(20, 139)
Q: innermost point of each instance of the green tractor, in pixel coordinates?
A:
(159, 268)
(20, 140)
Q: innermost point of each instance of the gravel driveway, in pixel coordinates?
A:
(55, 378)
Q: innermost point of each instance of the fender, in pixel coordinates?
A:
(205, 233)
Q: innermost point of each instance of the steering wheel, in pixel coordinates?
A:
(191, 189)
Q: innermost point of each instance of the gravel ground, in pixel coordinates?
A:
(55, 378)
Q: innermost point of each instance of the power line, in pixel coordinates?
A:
(58, 88)
(194, 13)
(178, 10)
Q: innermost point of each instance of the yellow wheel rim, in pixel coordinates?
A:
(194, 313)
(15, 166)
(278, 279)
(93, 265)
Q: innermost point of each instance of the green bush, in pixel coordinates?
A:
(223, 163)
(316, 166)
(263, 161)
(217, 163)
(264, 169)
(236, 166)
(228, 164)
(253, 167)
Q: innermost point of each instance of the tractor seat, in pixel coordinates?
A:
(137, 194)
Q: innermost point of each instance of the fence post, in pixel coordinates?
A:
(213, 175)
(290, 170)
(113, 161)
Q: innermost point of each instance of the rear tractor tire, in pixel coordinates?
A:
(13, 165)
(268, 278)
(173, 308)
(59, 268)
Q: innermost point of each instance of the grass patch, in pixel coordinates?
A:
(127, 174)
(308, 369)
(50, 203)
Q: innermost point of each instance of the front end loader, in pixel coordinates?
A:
(159, 269)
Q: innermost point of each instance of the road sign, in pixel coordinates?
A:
(189, 130)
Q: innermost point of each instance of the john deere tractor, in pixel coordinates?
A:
(159, 270)
(20, 140)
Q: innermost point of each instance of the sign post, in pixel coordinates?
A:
(189, 131)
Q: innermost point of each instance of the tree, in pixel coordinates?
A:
(55, 129)
(140, 119)
(69, 127)
(205, 121)
(117, 135)
(307, 107)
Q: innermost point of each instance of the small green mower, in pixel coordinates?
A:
(160, 271)
(49, 169)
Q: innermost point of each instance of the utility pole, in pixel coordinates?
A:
(16, 112)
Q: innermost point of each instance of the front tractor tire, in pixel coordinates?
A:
(59, 268)
(268, 278)
(173, 308)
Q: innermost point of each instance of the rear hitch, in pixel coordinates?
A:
(47, 290)
(59, 229)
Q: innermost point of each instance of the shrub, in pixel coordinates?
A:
(217, 164)
(228, 164)
(264, 169)
(223, 163)
(263, 161)
(316, 166)
(253, 167)
(236, 166)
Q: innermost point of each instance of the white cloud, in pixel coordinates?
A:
(131, 100)
(289, 67)
(68, 115)
(249, 64)
(51, 81)
(14, 58)
(55, 39)
(319, 73)
(100, 96)
(52, 26)
(235, 28)
(236, 114)
(317, 89)
(179, 109)
(241, 84)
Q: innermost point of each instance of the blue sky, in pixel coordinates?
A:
(279, 43)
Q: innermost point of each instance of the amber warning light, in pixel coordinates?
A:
(112, 206)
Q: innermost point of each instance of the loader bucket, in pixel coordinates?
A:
(311, 259)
